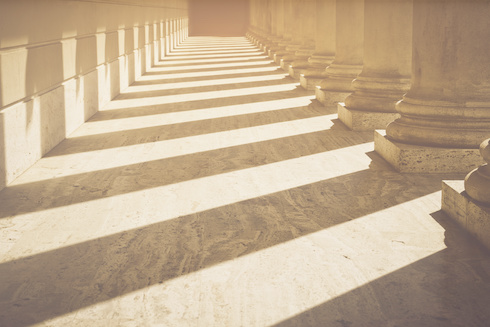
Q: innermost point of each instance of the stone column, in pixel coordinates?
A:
(308, 18)
(253, 31)
(387, 63)
(269, 35)
(276, 30)
(288, 25)
(324, 45)
(296, 37)
(349, 45)
(186, 28)
(446, 112)
(175, 23)
(168, 33)
(264, 23)
(278, 49)
(178, 22)
(279, 27)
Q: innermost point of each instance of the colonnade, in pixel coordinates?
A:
(416, 72)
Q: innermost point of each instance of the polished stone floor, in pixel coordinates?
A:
(215, 191)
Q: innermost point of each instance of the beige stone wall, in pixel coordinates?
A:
(63, 60)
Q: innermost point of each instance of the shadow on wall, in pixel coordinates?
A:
(218, 17)
(45, 112)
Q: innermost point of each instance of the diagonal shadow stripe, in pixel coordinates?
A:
(219, 49)
(64, 280)
(184, 58)
(102, 183)
(218, 76)
(97, 126)
(206, 60)
(209, 74)
(212, 67)
(295, 119)
(140, 226)
(432, 291)
(221, 85)
(146, 110)
(217, 96)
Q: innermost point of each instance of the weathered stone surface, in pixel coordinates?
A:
(472, 216)
(425, 159)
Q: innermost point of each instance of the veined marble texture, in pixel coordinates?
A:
(215, 191)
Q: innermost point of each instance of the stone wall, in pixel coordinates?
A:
(63, 60)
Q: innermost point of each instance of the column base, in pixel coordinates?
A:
(360, 120)
(408, 158)
(471, 216)
(285, 64)
(296, 72)
(278, 57)
(310, 82)
(330, 98)
(271, 52)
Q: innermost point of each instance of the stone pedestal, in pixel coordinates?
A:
(315, 72)
(408, 158)
(386, 71)
(448, 105)
(300, 63)
(361, 120)
(288, 56)
(279, 50)
(349, 53)
(472, 216)
(338, 83)
(468, 202)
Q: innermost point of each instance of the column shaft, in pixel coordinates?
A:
(348, 56)
(288, 31)
(324, 45)
(387, 63)
(307, 24)
(294, 15)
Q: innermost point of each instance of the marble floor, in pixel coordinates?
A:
(215, 191)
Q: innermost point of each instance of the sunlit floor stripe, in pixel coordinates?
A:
(264, 68)
(158, 100)
(217, 49)
(169, 118)
(212, 53)
(282, 281)
(207, 66)
(201, 60)
(80, 222)
(209, 82)
(86, 162)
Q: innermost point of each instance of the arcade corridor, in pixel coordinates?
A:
(215, 191)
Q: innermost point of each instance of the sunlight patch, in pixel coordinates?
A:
(279, 282)
(198, 96)
(198, 84)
